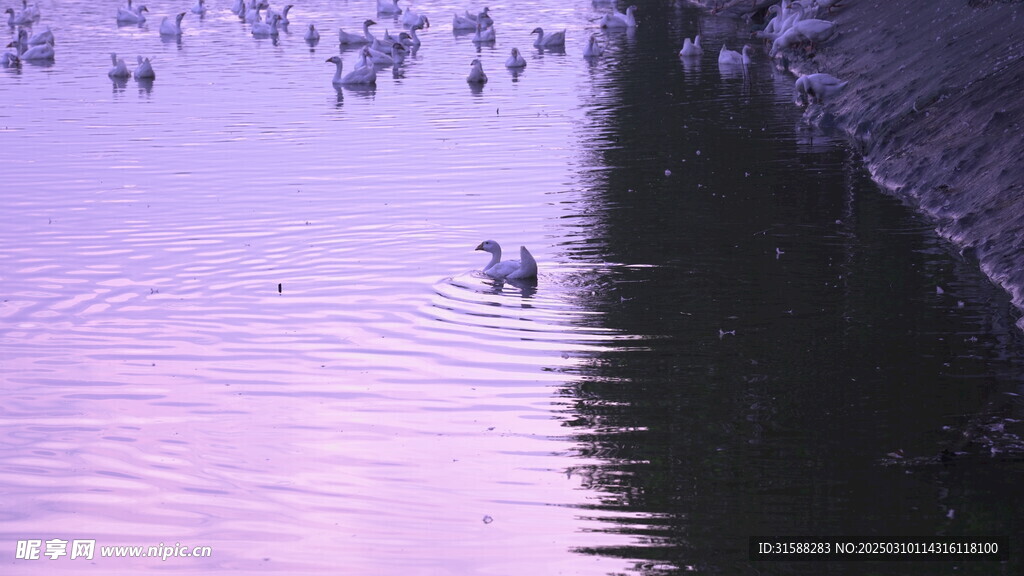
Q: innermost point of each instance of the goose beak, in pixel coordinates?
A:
(480, 247)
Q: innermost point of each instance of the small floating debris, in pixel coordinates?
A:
(939, 290)
(668, 172)
(279, 288)
(724, 333)
(488, 519)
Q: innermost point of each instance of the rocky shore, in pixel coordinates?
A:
(935, 103)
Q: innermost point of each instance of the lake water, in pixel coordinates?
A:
(243, 310)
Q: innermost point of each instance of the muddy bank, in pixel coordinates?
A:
(936, 105)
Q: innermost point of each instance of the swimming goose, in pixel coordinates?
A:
(311, 36)
(39, 53)
(266, 29)
(365, 75)
(119, 69)
(169, 28)
(30, 12)
(462, 23)
(483, 35)
(594, 48)
(483, 17)
(282, 15)
(199, 8)
(365, 38)
(388, 7)
(524, 268)
(131, 15)
(414, 40)
(386, 41)
(380, 58)
(732, 57)
(16, 18)
(816, 88)
(515, 60)
(617, 19)
(144, 71)
(476, 73)
(41, 37)
(10, 59)
(551, 40)
(411, 18)
(691, 48)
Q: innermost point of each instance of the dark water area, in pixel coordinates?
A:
(811, 347)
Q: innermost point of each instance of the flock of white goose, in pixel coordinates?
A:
(792, 25)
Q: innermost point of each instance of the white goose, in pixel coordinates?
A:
(40, 53)
(266, 29)
(522, 269)
(476, 73)
(131, 15)
(311, 36)
(379, 58)
(411, 18)
(462, 23)
(17, 18)
(816, 88)
(483, 17)
(619, 20)
(361, 76)
(414, 40)
(555, 39)
(31, 12)
(515, 60)
(733, 58)
(365, 38)
(484, 35)
(199, 8)
(691, 47)
(169, 28)
(388, 7)
(41, 37)
(282, 15)
(144, 70)
(10, 59)
(119, 70)
(594, 48)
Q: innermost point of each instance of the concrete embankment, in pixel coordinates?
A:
(935, 103)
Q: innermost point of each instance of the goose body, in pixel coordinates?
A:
(199, 8)
(522, 269)
(282, 15)
(131, 15)
(733, 58)
(360, 76)
(484, 35)
(365, 38)
(594, 48)
(388, 7)
(18, 18)
(411, 18)
(691, 47)
(515, 60)
(619, 20)
(311, 35)
(171, 28)
(144, 70)
(476, 73)
(555, 39)
(266, 29)
(41, 37)
(119, 70)
(379, 58)
(40, 53)
(817, 88)
(463, 23)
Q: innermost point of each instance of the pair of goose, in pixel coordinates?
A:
(27, 15)
(469, 21)
(37, 48)
(119, 70)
